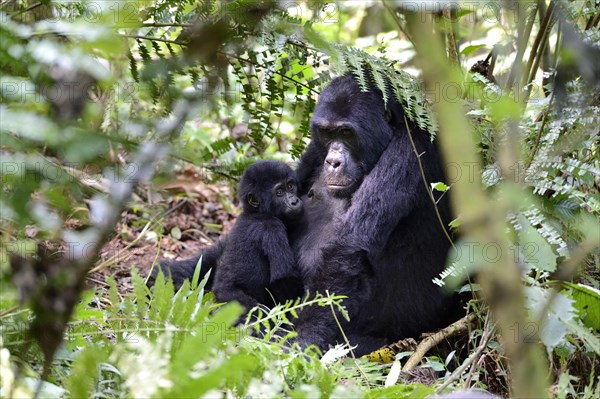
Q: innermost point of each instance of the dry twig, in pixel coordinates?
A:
(433, 340)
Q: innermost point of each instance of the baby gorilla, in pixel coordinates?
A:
(258, 264)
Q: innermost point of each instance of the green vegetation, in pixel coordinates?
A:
(102, 102)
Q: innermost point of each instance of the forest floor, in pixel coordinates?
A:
(184, 216)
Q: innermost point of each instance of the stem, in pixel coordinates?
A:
(539, 40)
(284, 76)
(158, 25)
(521, 47)
(449, 15)
(539, 135)
(484, 339)
(337, 321)
(154, 39)
(398, 22)
(457, 373)
(433, 201)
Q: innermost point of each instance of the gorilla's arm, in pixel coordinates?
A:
(387, 195)
(276, 247)
(309, 167)
(184, 269)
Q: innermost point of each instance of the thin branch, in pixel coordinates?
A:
(558, 44)
(33, 7)
(458, 372)
(398, 22)
(154, 39)
(433, 340)
(166, 25)
(337, 321)
(484, 339)
(424, 178)
(283, 75)
(596, 21)
(300, 44)
(521, 47)
(9, 310)
(453, 56)
(539, 45)
(540, 134)
(245, 60)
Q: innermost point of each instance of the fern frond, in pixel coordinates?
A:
(406, 88)
(550, 234)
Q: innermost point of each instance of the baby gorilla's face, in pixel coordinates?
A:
(286, 201)
(270, 188)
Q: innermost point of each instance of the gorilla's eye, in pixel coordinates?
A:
(279, 192)
(290, 185)
(346, 132)
(311, 193)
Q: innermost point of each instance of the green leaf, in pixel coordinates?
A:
(196, 275)
(83, 376)
(197, 346)
(590, 339)
(412, 391)
(141, 292)
(553, 329)
(471, 49)
(162, 297)
(439, 186)
(176, 233)
(587, 302)
(534, 248)
(468, 255)
(208, 337)
(231, 368)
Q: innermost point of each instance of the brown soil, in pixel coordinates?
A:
(184, 218)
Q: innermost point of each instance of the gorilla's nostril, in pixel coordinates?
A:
(333, 162)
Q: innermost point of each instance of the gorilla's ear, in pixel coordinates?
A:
(252, 200)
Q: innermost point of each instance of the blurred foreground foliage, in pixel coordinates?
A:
(102, 101)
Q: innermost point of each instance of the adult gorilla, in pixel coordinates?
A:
(388, 244)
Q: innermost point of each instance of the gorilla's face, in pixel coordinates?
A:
(342, 172)
(351, 130)
(270, 188)
(287, 206)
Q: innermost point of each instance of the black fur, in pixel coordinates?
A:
(389, 245)
(257, 256)
(309, 237)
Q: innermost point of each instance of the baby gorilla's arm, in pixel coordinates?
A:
(275, 245)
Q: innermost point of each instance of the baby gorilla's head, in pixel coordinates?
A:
(270, 187)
